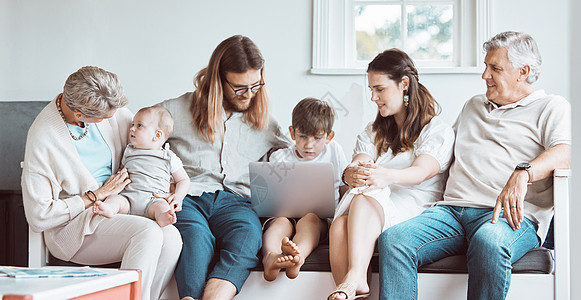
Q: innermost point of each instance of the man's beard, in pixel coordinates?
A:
(234, 106)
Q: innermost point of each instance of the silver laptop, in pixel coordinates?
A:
(286, 189)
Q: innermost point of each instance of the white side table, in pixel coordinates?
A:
(118, 284)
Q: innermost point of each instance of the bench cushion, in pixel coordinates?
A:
(537, 261)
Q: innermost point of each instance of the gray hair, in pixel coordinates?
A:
(522, 50)
(93, 92)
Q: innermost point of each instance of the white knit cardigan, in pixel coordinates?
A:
(54, 178)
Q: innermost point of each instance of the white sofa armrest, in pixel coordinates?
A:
(561, 233)
(37, 256)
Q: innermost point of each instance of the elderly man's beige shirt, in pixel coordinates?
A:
(492, 140)
(222, 165)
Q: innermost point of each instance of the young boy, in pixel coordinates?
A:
(150, 168)
(312, 123)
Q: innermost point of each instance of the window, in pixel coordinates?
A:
(441, 36)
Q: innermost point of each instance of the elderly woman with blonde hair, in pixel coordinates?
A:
(72, 159)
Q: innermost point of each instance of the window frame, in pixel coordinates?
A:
(330, 31)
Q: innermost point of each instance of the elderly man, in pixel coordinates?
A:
(497, 204)
(219, 129)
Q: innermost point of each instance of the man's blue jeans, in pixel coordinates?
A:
(221, 221)
(442, 231)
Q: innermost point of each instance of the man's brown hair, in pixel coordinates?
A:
(236, 54)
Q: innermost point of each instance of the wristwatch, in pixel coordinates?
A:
(527, 167)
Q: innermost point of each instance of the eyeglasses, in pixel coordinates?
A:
(239, 92)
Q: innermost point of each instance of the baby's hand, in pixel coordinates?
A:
(175, 204)
(166, 196)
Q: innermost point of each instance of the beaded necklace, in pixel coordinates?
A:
(58, 106)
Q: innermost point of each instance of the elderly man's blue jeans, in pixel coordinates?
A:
(221, 235)
(442, 231)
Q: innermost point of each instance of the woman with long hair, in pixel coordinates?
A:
(398, 169)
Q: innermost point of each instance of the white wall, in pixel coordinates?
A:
(576, 184)
(156, 47)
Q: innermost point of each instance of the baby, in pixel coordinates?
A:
(150, 168)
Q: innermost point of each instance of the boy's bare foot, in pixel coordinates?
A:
(293, 272)
(103, 209)
(166, 218)
(288, 247)
(273, 262)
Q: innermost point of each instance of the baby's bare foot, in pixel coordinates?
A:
(273, 262)
(166, 218)
(103, 209)
(289, 247)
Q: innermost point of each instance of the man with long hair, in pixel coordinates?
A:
(219, 128)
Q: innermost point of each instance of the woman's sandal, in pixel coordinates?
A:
(348, 290)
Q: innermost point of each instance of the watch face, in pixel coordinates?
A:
(523, 166)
